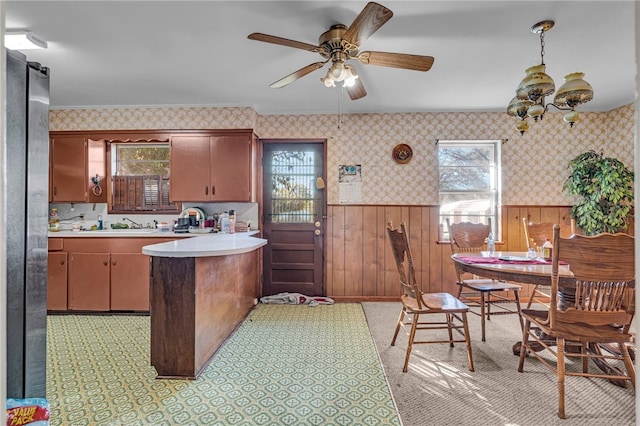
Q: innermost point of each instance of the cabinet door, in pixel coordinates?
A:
(129, 282)
(57, 281)
(68, 169)
(89, 281)
(231, 168)
(189, 162)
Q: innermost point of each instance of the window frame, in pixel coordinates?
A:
(113, 147)
(495, 185)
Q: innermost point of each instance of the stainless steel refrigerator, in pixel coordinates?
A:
(25, 197)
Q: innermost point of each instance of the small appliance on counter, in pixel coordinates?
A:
(182, 226)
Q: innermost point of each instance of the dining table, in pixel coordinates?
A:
(517, 267)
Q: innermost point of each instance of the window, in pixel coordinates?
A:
(469, 183)
(140, 178)
(293, 176)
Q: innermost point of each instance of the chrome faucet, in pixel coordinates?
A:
(134, 225)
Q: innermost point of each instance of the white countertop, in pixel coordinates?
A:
(118, 233)
(207, 245)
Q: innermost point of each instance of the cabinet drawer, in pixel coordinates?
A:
(55, 244)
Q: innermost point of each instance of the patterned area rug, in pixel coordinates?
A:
(285, 365)
(439, 389)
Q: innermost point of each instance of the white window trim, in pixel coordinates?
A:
(496, 178)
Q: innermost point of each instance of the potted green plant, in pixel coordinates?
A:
(605, 190)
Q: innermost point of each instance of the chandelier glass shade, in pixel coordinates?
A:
(537, 85)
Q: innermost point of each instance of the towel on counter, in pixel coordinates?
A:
(296, 299)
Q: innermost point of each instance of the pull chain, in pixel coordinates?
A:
(340, 105)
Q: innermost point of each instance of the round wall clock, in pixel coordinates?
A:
(402, 153)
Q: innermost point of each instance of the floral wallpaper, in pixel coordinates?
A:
(534, 165)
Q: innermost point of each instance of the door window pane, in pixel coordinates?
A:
(293, 175)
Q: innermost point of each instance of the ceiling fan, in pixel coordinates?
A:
(341, 43)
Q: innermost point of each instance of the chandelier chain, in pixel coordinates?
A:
(542, 47)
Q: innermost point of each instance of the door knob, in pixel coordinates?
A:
(317, 232)
(317, 224)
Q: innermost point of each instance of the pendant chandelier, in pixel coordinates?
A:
(537, 84)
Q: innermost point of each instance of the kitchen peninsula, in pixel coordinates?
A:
(201, 289)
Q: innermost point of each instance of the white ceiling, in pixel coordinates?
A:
(158, 53)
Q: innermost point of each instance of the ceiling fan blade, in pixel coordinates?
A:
(397, 60)
(372, 17)
(283, 41)
(356, 91)
(296, 75)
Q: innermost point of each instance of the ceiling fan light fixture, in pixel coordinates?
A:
(537, 85)
(328, 81)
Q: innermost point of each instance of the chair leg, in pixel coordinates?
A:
(450, 328)
(412, 335)
(585, 360)
(560, 371)
(482, 314)
(467, 340)
(628, 363)
(398, 325)
(523, 347)
(533, 295)
(516, 296)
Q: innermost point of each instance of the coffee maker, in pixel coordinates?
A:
(182, 225)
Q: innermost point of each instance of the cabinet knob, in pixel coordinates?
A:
(62, 263)
(113, 262)
(105, 262)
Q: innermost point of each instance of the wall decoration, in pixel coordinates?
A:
(350, 183)
(402, 153)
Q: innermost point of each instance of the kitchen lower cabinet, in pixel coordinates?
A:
(100, 274)
(89, 281)
(57, 281)
(129, 282)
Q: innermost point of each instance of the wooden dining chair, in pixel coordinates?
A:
(467, 237)
(416, 304)
(536, 233)
(598, 309)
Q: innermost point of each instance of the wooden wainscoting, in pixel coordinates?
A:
(359, 263)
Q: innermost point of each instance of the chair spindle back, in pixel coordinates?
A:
(604, 270)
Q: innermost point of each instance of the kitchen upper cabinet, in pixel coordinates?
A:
(68, 175)
(74, 160)
(215, 167)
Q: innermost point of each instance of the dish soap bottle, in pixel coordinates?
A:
(232, 221)
(54, 220)
(547, 249)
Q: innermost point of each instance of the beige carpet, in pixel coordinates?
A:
(439, 389)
